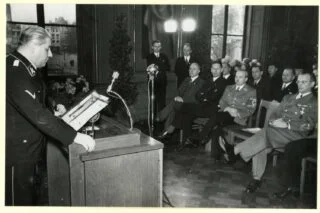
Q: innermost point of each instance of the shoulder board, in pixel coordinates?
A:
(16, 63)
(30, 69)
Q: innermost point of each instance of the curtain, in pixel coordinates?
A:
(154, 17)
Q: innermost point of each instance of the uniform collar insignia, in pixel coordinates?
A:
(32, 71)
(25, 62)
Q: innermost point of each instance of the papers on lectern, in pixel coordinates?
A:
(80, 114)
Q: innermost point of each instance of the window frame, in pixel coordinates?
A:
(41, 22)
(225, 34)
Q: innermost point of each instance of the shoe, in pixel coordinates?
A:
(253, 186)
(164, 136)
(283, 194)
(230, 157)
(204, 141)
(179, 148)
(190, 143)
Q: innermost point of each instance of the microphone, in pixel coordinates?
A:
(152, 69)
(109, 91)
(115, 75)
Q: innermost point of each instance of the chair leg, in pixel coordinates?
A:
(274, 160)
(181, 137)
(302, 176)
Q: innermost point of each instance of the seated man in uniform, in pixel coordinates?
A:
(287, 123)
(186, 94)
(235, 106)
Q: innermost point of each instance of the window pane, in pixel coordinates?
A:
(236, 20)
(64, 50)
(216, 47)
(217, 19)
(234, 47)
(60, 13)
(13, 34)
(22, 13)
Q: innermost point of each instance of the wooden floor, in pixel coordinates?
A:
(193, 179)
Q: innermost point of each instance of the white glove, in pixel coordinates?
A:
(86, 141)
(60, 110)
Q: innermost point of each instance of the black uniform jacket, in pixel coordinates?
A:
(27, 118)
(211, 92)
(280, 93)
(163, 66)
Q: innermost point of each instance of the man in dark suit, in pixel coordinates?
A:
(226, 72)
(295, 117)
(160, 80)
(186, 94)
(274, 76)
(294, 152)
(288, 85)
(208, 96)
(260, 83)
(315, 72)
(183, 63)
(28, 120)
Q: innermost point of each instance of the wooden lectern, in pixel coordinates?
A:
(124, 170)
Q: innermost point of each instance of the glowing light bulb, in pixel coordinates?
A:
(188, 25)
(170, 26)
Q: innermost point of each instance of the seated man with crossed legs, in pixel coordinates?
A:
(292, 120)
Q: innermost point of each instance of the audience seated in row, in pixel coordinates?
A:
(208, 98)
(294, 119)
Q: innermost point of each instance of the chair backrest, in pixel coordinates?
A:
(270, 106)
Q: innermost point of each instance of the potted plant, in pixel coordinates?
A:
(119, 60)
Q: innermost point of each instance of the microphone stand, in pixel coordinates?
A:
(152, 104)
(152, 69)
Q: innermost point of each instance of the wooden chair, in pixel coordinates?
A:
(310, 159)
(234, 132)
(198, 124)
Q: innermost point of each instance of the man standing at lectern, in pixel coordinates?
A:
(28, 120)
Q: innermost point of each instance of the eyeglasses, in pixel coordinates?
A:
(303, 82)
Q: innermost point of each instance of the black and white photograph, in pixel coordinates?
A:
(161, 105)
